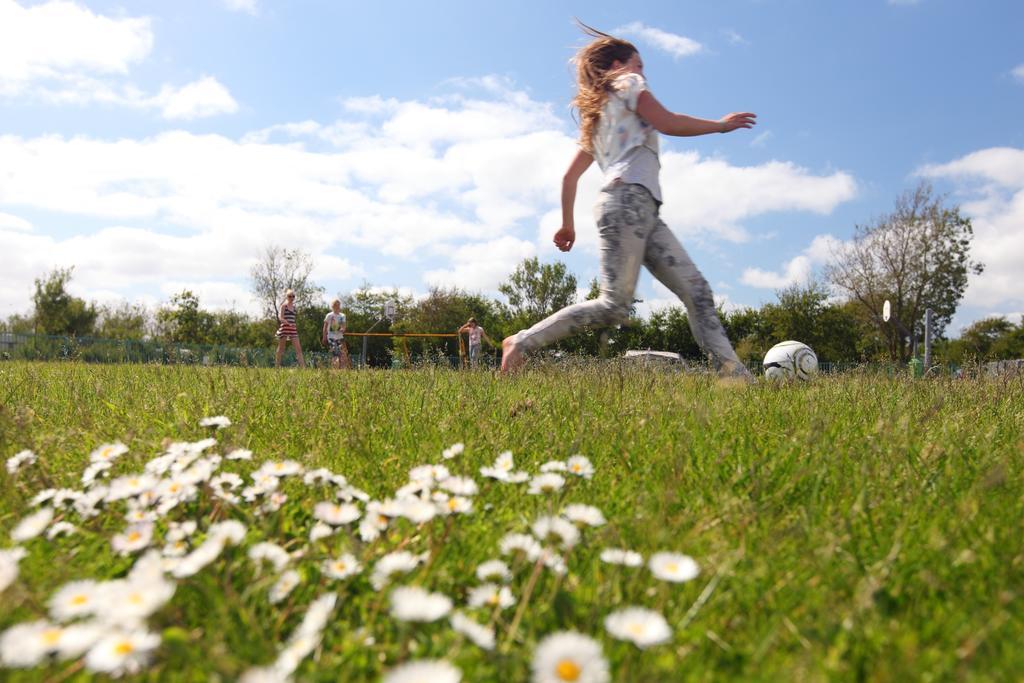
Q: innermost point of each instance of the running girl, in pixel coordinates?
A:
(619, 124)
(287, 331)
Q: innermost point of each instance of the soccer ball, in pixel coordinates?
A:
(790, 359)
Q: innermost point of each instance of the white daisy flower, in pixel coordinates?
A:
(482, 636)
(335, 514)
(225, 481)
(284, 586)
(416, 510)
(60, 529)
(556, 529)
(239, 454)
(504, 461)
(429, 473)
(412, 603)
(87, 506)
(520, 543)
(459, 486)
(208, 551)
(283, 468)
(397, 562)
(317, 615)
(196, 447)
(270, 552)
(94, 470)
(517, 477)
(321, 530)
(32, 525)
(129, 602)
(372, 523)
(546, 483)
(26, 645)
(424, 671)
(19, 459)
(642, 627)
(569, 656)
(621, 556)
(139, 515)
(232, 531)
(674, 567)
(493, 569)
(177, 531)
(65, 498)
(135, 538)
(584, 515)
(175, 548)
(130, 486)
(122, 652)
(490, 595)
(9, 560)
(76, 599)
(342, 567)
(454, 505)
(553, 561)
(43, 496)
(453, 450)
(108, 452)
(581, 466)
(218, 421)
(554, 466)
(274, 501)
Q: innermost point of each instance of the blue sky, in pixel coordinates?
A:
(157, 146)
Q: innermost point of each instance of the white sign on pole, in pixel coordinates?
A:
(886, 311)
(389, 310)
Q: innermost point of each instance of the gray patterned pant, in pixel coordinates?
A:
(632, 234)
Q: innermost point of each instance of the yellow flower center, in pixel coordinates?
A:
(105, 453)
(79, 599)
(672, 567)
(135, 598)
(339, 566)
(51, 636)
(452, 504)
(635, 629)
(493, 600)
(577, 468)
(134, 536)
(124, 648)
(568, 670)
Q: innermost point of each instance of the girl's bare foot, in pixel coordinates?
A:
(511, 357)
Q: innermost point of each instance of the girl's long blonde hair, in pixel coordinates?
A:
(594, 75)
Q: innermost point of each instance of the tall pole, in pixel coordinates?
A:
(927, 339)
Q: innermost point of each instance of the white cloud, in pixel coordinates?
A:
(199, 99)
(60, 40)
(797, 270)
(735, 38)
(709, 195)
(14, 223)
(1018, 73)
(482, 266)
(247, 6)
(674, 44)
(761, 139)
(63, 53)
(991, 181)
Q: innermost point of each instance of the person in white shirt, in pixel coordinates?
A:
(475, 334)
(619, 124)
(334, 336)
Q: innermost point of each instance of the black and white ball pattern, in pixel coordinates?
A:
(790, 359)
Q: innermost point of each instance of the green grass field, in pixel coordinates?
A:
(851, 528)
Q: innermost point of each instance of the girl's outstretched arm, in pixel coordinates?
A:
(566, 236)
(681, 125)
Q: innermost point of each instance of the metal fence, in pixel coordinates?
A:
(42, 347)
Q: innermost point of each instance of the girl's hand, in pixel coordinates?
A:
(731, 122)
(565, 237)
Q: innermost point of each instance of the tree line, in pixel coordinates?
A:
(916, 257)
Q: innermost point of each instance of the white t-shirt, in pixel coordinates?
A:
(335, 325)
(625, 146)
(475, 334)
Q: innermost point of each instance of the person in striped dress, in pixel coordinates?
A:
(287, 330)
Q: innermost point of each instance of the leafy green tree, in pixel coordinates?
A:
(994, 338)
(56, 311)
(123, 321)
(535, 291)
(184, 321)
(917, 257)
(281, 269)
